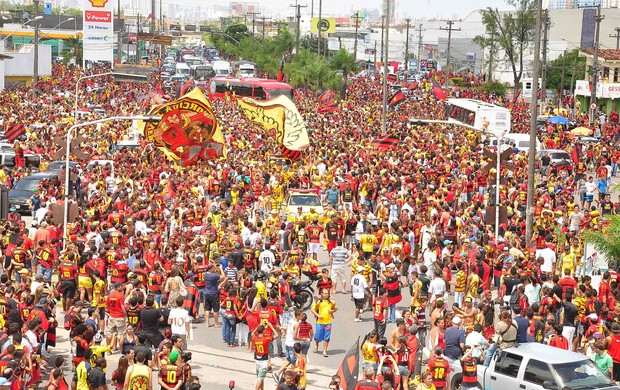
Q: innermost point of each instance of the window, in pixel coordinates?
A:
(537, 372)
(242, 90)
(259, 93)
(508, 364)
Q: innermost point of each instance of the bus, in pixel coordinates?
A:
(202, 73)
(259, 89)
(481, 115)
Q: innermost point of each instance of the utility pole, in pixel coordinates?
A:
(161, 20)
(529, 224)
(375, 63)
(319, 27)
(263, 20)
(562, 79)
(382, 34)
(298, 26)
(617, 36)
(449, 29)
(253, 20)
(598, 18)
(385, 68)
(357, 18)
(152, 29)
(407, 50)
(543, 83)
(35, 72)
(119, 44)
(420, 45)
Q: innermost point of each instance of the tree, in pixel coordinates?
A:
(309, 70)
(344, 61)
(515, 32)
(573, 67)
(235, 33)
(488, 41)
(607, 242)
(72, 51)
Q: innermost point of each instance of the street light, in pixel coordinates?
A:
(68, 156)
(20, 27)
(55, 27)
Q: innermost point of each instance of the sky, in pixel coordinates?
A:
(444, 9)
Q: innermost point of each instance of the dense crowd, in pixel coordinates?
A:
(405, 229)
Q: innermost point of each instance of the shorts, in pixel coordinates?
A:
(68, 288)
(314, 247)
(101, 312)
(290, 355)
(404, 370)
(202, 294)
(331, 244)
(338, 272)
(212, 302)
(323, 332)
(85, 282)
(589, 198)
(116, 326)
(261, 369)
(616, 372)
(349, 239)
(359, 303)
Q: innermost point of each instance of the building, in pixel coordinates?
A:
(608, 82)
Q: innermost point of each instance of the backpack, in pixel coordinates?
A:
(514, 297)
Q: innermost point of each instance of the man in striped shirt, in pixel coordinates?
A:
(338, 259)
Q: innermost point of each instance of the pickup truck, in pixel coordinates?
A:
(533, 366)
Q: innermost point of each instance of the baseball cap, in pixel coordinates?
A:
(446, 242)
(174, 355)
(98, 338)
(456, 320)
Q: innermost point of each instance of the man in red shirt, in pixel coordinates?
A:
(115, 307)
(379, 311)
(439, 366)
(567, 282)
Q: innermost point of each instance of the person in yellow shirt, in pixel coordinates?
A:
(368, 241)
(323, 310)
(459, 283)
(569, 260)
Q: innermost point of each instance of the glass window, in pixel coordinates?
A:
(537, 372)
(508, 364)
(274, 93)
(259, 93)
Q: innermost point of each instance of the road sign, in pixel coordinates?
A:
(593, 106)
(503, 160)
(75, 148)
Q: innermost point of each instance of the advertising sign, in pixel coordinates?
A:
(98, 34)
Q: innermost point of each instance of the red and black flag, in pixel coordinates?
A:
(516, 97)
(439, 93)
(391, 78)
(327, 101)
(292, 155)
(190, 303)
(349, 368)
(413, 85)
(281, 71)
(187, 86)
(398, 98)
(387, 142)
(14, 131)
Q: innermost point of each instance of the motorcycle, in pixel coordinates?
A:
(302, 293)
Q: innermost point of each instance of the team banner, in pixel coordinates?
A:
(280, 118)
(349, 368)
(98, 30)
(188, 130)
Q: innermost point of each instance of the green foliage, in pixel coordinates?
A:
(309, 70)
(572, 65)
(499, 89)
(71, 11)
(511, 32)
(72, 51)
(235, 33)
(609, 242)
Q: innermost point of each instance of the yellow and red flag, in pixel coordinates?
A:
(188, 131)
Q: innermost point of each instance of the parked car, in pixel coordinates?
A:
(306, 199)
(59, 166)
(558, 156)
(23, 189)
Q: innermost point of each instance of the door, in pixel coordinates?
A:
(505, 372)
(536, 373)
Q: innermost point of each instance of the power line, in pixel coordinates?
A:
(449, 29)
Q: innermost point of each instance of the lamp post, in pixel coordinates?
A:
(55, 27)
(20, 27)
(68, 156)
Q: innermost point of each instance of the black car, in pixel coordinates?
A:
(23, 189)
(58, 166)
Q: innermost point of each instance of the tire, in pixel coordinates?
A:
(304, 300)
(456, 381)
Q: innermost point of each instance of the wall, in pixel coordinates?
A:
(22, 62)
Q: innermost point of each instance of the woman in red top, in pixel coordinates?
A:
(303, 332)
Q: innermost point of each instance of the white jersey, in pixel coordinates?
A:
(267, 260)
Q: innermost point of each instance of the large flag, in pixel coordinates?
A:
(413, 85)
(188, 130)
(190, 303)
(396, 99)
(327, 101)
(387, 142)
(280, 118)
(439, 93)
(14, 131)
(349, 368)
(290, 154)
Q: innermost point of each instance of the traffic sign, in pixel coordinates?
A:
(593, 106)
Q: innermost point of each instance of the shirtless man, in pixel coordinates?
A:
(438, 312)
(468, 313)
(401, 330)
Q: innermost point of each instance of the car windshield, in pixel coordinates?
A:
(582, 374)
(27, 184)
(559, 156)
(305, 200)
(274, 93)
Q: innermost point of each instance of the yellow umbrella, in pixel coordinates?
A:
(581, 131)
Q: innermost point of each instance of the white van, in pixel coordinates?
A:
(181, 68)
(522, 141)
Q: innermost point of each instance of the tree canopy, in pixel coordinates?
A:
(574, 68)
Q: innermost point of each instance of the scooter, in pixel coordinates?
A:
(302, 293)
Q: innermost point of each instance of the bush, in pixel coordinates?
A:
(499, 89)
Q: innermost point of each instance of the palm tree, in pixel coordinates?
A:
(607, 242)
(72, 51)
(345, 62)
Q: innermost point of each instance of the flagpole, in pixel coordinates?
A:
(385, 69)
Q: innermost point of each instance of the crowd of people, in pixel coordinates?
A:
(148, 233)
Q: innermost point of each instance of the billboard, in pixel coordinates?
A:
(98, 31)
(327, 25)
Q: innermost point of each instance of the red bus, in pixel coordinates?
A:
(255, 88)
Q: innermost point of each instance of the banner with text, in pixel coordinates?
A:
(98, 31)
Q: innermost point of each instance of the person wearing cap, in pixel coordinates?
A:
(359, 291)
